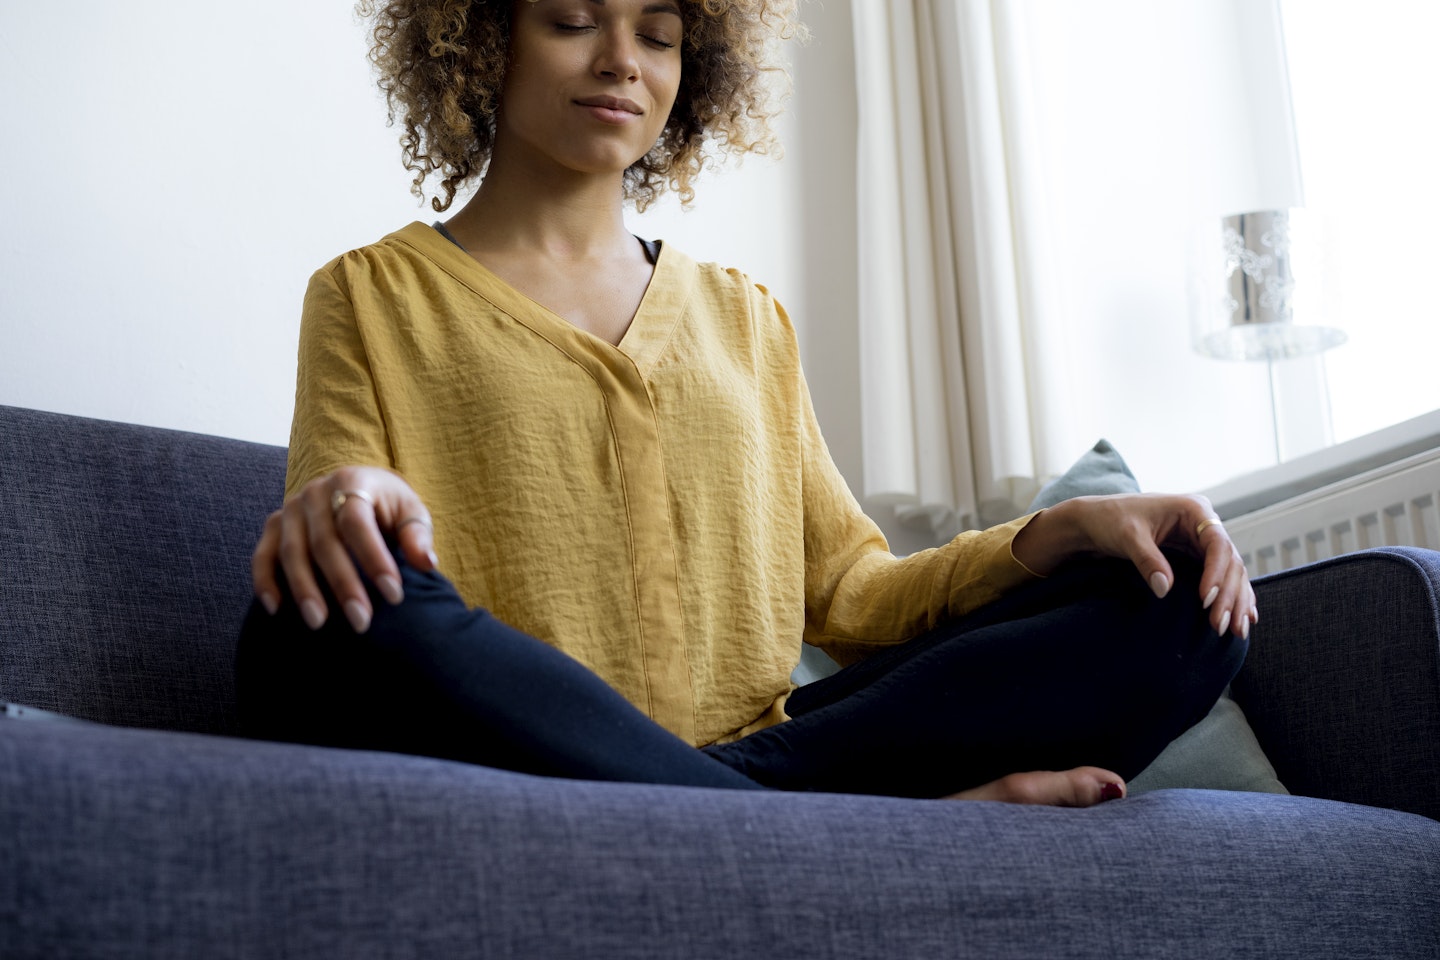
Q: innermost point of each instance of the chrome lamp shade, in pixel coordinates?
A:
(1253, 317)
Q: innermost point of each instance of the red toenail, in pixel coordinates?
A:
(1110, 791)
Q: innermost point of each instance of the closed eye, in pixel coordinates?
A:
(659, 42)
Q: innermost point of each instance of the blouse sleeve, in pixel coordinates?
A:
(337, 419)
(859, 596)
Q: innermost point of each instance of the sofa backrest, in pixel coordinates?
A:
(124, 567)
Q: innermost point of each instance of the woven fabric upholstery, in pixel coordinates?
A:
(126, 566)
(158, 845)
(1342, 683)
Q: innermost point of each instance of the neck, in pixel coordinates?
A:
(564, 216)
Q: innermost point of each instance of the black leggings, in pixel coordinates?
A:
(1084, 668)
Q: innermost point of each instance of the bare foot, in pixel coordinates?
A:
(1081, 787)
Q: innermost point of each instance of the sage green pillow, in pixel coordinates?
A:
(1101, 470)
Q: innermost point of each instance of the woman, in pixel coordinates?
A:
(612, 449)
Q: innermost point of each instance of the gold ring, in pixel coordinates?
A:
(339, 498)
(1205, 523)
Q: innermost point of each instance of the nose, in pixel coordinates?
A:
(618, 57)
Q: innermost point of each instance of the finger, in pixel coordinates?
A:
(1191, 522)
(262, 565)
(359, 531)
(1219, 554)
(417, 541)
(1233, 603)
(299, 572)
(1243, 614)
(1142, 550)
(1228, 605)
(332, 559)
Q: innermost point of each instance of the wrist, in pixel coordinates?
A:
(1053, 536)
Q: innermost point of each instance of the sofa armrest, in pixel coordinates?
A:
(1342, 684)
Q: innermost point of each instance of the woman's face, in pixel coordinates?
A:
(590, 83)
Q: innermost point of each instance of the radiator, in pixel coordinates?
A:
(1394, 505)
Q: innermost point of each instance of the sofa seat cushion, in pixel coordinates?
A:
(158, 844)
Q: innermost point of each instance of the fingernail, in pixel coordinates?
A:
(1159, 584)
(270, 602)
(313, 614)
(1110, 791)
(358, 616)
(1224, 623)
(434, 560)
(1245, 627)
(390, 588)
(1210, 598)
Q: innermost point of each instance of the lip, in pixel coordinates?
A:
(614, 109)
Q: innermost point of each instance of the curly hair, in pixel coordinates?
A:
(442, 65)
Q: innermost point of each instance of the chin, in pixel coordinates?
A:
(612, 164)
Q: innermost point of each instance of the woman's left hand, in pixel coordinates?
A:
(1135, 527)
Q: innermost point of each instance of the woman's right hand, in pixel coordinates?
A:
(332, 524)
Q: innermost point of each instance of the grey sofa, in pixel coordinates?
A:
(152, 831)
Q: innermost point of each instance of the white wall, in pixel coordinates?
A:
(173, 173)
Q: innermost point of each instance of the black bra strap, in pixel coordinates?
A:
(652, 247)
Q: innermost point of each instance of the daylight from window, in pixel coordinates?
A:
(1364, 81)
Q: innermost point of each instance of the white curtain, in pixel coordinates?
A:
(977, 380)
(961, 376)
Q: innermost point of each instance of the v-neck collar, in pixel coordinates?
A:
(660, 309)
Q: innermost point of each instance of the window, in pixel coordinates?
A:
(1364, 80)
(1146, 118)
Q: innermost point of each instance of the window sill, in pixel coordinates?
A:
(1263, 488)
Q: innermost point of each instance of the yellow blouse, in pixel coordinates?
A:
(664, 511)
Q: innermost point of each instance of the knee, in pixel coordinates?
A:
(1169, 642)
(1204, 660)
(268, 641)
(321, 685)
(431, 605)
(1185, 595)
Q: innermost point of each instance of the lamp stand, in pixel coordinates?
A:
(1274, 408)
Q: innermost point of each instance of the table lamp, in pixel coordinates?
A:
(1246, 298)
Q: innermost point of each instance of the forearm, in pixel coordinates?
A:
(881, 599)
